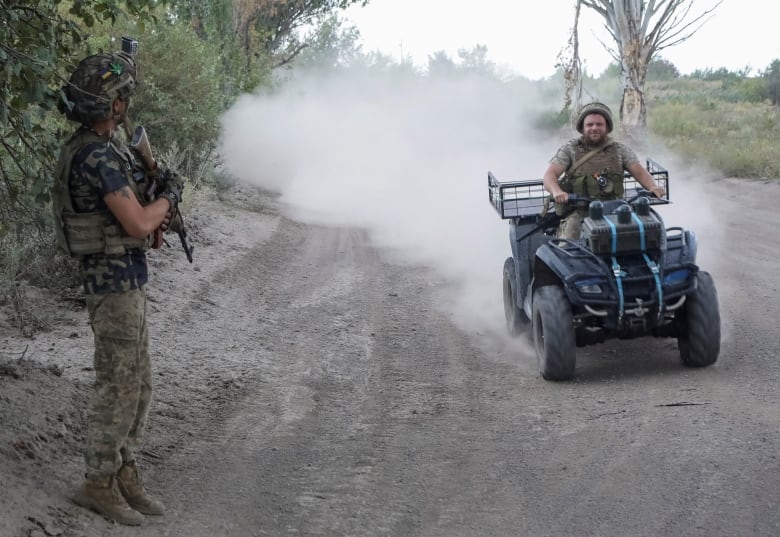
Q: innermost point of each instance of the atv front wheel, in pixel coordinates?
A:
(553, 333)
(700, 345)
(516, 319)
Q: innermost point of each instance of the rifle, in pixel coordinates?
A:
(552, 219)
(546, 221)
(139, 143)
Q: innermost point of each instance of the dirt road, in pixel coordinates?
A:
(308, 385)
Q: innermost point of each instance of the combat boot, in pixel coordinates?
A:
(102, 494)
(132, 488)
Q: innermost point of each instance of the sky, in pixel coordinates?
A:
(525, 36)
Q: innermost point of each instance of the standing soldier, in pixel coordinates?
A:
(103, 217)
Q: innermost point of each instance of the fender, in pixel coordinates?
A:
(554, 265)
(693, 246)
(680, 248)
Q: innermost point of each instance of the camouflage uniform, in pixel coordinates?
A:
(114, 272)
(116, 301)
(611, 162)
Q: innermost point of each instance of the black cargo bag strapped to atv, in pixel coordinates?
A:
(627, 276)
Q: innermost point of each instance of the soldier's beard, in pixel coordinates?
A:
(595, 140)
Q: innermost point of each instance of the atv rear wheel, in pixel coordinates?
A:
(516, 319)
(700, 345)
(553, 333)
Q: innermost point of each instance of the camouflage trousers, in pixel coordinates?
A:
(123, 380)
(571, 226)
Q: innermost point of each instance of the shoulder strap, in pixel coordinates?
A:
(570, 172)
(587, 156)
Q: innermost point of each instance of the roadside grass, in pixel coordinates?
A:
(29, 265)
(739, 139)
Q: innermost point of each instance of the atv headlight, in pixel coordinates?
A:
(677, 277)
(591, 286)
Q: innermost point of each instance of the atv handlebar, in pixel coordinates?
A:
(644, 193)
(582, 202)
(579, 202)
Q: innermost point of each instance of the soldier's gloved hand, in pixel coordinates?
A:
(172, 194)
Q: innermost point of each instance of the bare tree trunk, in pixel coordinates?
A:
(633, 71)
(774, 82)
(571, 66)
(633, 122)
(634, 58)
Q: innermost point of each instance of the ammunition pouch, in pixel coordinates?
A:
(605, 186)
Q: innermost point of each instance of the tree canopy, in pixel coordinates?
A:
(38, 40)
(223, 48)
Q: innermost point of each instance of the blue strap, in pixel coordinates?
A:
(650, 263)
(642, 235)
(656, 274)
(618, 272)
(614, 235)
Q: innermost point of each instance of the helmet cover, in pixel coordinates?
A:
(594, 108)
(96, 82)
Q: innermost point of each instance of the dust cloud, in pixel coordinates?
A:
(697, 204)
(406, 157)
(403, 157)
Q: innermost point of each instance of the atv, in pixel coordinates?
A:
(627, 276)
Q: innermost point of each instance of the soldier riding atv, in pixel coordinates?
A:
(625, 276)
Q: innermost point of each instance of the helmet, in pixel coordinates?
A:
(96, 82)
(594, 108)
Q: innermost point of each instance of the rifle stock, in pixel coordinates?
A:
(140, 144)
(549, 220)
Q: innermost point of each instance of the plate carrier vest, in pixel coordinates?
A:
(98, 232)
(606, 163)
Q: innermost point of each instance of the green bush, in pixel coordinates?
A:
(182, 89)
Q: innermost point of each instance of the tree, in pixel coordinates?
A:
(773, 74)
(440, 64)
(570, 65)
(661, 69)
(640, 29)
(267, 30)
(334, 44)
(475, 60)
(37, 40)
